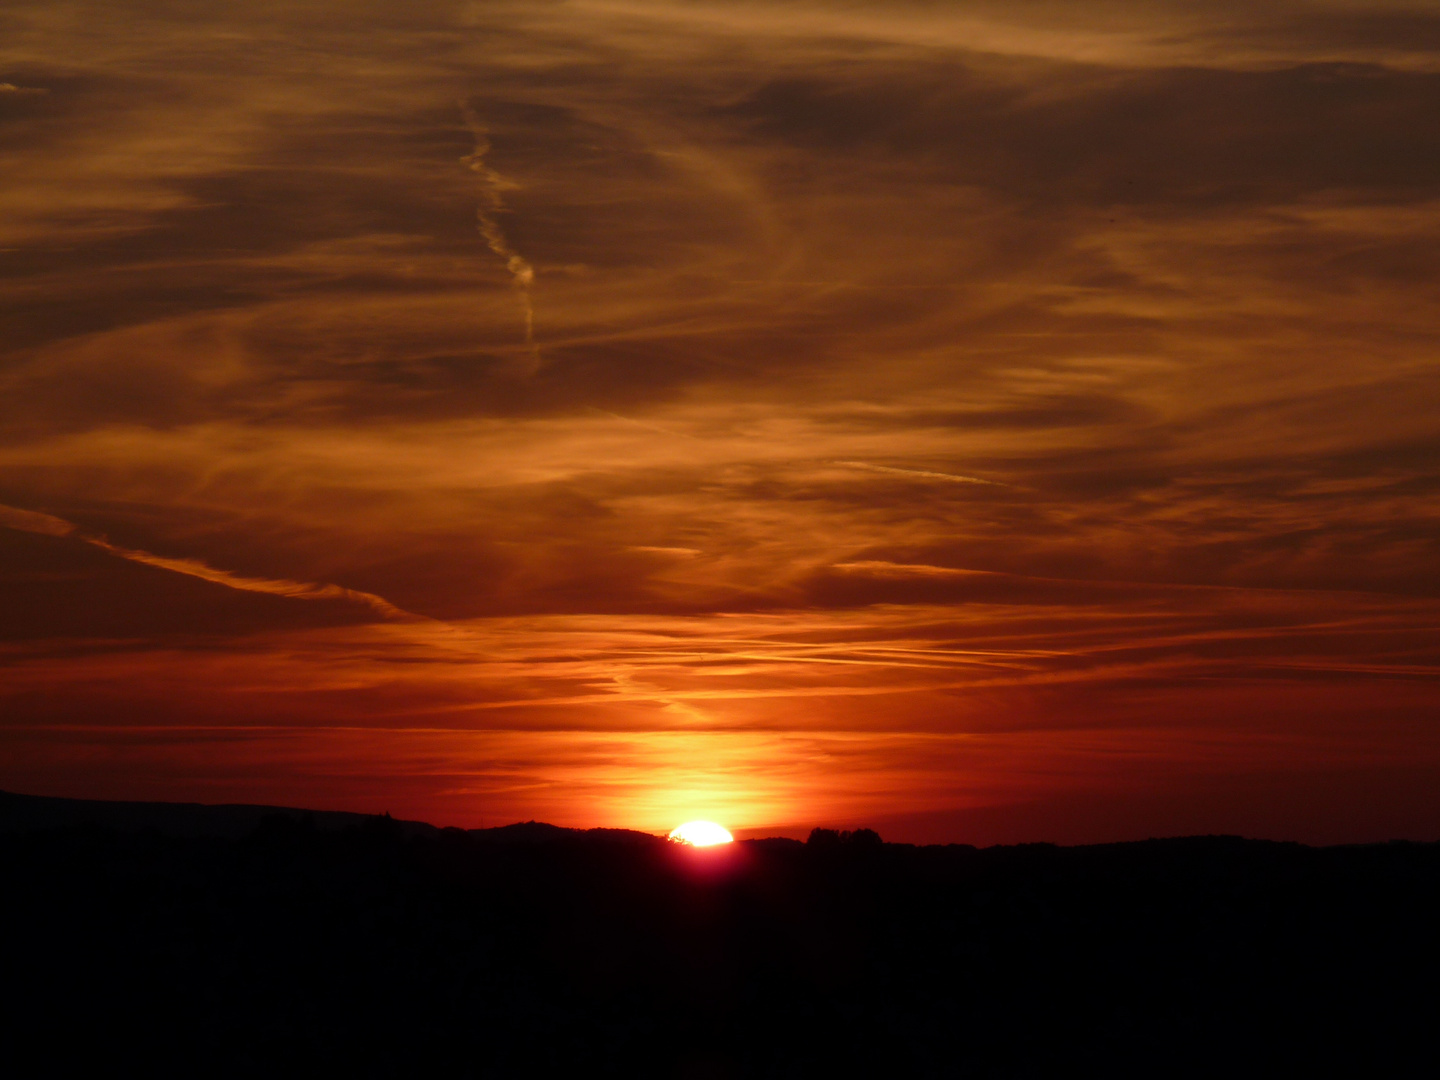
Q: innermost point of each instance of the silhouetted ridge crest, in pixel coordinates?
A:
(831, 838)
(383, 948)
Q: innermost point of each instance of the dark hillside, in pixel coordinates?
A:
(374, 948)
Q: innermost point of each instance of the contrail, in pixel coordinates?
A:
(46, 525)
(954, 478)
(492, 202)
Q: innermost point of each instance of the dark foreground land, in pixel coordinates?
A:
(245, 941)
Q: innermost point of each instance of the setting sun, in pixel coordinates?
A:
(701, 834)
(476, 416)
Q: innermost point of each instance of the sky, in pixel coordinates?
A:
(981, 422)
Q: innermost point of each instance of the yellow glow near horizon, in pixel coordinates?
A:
(701, 834)
(485, 489)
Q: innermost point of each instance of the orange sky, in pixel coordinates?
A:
(979, 421)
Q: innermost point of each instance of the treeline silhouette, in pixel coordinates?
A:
(374, 948)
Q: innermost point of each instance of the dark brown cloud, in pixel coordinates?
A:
(897, 408)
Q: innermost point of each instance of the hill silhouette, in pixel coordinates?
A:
(240, 940)
(29, 813)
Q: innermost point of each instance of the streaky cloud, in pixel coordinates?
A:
(32, 521)
(924, 474)
(48, 525)
(492, 204)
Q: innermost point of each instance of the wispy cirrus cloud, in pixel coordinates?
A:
(925, 474)
(48, 525)
(492, 204)
(914, 376)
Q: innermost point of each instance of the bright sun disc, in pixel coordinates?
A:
(701, 834)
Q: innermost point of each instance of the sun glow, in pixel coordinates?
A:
(701, 834)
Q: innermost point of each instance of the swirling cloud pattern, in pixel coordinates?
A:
(983, 421)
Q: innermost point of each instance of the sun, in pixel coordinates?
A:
(701, 834)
